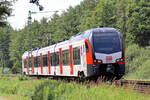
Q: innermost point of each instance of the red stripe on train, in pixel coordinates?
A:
(71, 60)
(49, 65)
(60, 61)
(32, 64)
(41, 63)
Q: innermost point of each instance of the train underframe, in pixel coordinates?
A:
(114, 70)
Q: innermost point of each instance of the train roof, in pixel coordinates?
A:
(103, 29)
(87, 33)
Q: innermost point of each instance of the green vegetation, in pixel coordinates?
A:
(138, 62)
(4, 12)
(24, 89)
(127, 16)
(130, 16)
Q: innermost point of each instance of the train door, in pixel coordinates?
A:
(29, 65)
(83, 59)
(56, 62)
(84, 56)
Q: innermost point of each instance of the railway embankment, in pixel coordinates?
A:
(45, 89)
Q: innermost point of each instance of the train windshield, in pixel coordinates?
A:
(106, 42)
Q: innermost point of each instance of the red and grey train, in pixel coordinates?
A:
(95, 52)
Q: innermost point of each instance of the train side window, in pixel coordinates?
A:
(87, 47)
(52, 60)
(25, 63)
(35, 61)
(65, 57)
(57, 58)
(45, 61)
(76, 56)
(38, 61)
(30, 62)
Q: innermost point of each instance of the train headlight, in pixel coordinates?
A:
(117, 60)
(99, 61)
(120, 59)
(95, 61)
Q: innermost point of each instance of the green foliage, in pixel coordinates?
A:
(60, 90)
(16, 50)
(137, 62)
(4, 12)
(144, 70)
(17, 86)
(8, 86)
(138, 21)
(105, 14)
(57, 90)
(23, 78)
(4, 47)
(6, 70)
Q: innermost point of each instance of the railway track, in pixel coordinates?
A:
(137, 85)
(10, 75)
(140, 86)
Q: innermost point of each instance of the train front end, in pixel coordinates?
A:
(108, 53)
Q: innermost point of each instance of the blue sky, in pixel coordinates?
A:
(21, 8)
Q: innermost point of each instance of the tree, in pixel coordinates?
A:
(139, 21)
(4, 12)
(4, 46)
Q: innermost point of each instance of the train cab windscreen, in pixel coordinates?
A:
(106, 42)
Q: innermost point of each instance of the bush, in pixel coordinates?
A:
(6, 70)
(60, 90)
(23, 77)
(137, 58)
(144, 70)
(9, 86)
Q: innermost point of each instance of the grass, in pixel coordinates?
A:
(137, 62)
(28, 89)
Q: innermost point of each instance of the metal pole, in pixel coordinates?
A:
(2, 63)
(30, 40)
(124, 23)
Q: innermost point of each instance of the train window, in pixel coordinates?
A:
(57, 58)
(65, 57)
(30, 62)
(52, 60)
(86, 46)
(38, 61)
(76, 56)
(25, 63)
(45, 61)
(35, 62)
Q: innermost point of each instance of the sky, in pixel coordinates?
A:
(22, 7)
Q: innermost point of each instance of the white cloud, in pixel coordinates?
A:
(21, 8)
